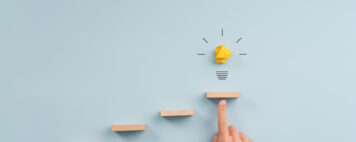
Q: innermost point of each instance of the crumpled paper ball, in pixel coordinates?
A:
(221, 54)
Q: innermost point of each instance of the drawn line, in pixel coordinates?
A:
(206, 41)
(242, 54)
(222, 32)
(237, 41)
(201, 53)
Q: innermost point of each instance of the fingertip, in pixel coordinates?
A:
(233, 130)
(215, 138)
(232, 127)
(222, 102)
(243, 137)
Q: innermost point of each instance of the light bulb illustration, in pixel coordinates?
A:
(222, 55)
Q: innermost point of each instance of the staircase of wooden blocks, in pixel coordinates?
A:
(176, 113)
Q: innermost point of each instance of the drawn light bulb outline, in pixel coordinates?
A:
(222, 74)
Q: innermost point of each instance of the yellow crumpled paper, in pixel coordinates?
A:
(221, 54)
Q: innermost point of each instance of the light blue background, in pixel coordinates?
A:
(69, 69)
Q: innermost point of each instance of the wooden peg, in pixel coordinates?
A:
(136, 127)
(168, 113)
(223, 95)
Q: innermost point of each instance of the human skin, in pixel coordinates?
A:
(227, 133)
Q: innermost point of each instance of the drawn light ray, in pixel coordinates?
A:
(237, 41)
(206, 41)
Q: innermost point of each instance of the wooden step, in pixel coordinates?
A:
(169, 113)
(222, 95)
(135, 127)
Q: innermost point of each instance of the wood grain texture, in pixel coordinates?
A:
(168, 113)
(222, 94)
(136, 127)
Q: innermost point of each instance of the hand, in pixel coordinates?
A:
(227, 134)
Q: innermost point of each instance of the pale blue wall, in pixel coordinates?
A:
(71, 68)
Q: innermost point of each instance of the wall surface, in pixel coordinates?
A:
(69, 69)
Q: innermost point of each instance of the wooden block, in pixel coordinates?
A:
(137, 127)
(167, 113)
(222, 94)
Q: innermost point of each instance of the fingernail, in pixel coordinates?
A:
(222, 102)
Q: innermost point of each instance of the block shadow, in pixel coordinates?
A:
(129, 135)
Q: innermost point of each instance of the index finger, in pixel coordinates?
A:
(222, 120)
